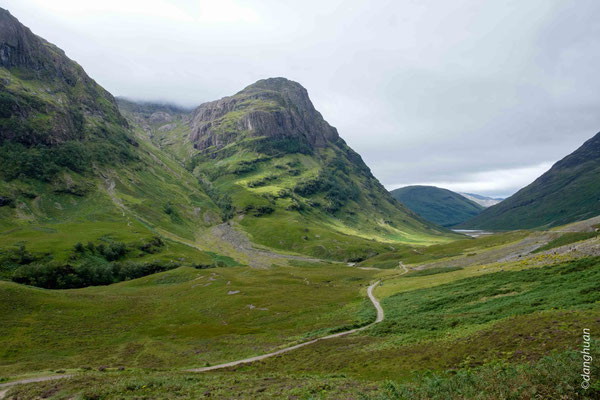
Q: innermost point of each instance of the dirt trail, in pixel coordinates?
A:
(380, 316)
(5, 387)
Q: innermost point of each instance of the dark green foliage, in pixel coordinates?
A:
(92, 271)
(567, 238)
(334, 182)
(168, 208)
(263, 210)
(262, 181)
(153, 246)
(93, 264)
(437, 205)
(222, 200)
(7, 201)
(280, 146)
(44, 162)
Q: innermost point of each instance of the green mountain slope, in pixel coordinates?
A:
(569, 191)
(437, 205)
(73, 170)
(281, 173)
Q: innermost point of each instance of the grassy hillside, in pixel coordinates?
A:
(441, 206)
(283, 175)
(180, 318)
(569, 191)
(506, 331)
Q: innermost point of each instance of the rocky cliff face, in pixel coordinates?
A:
(46, 98)
(272, 108)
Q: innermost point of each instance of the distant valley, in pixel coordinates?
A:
(242, 249)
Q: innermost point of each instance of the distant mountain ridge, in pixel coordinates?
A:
(437, 205)
(482, 200)
(568, 192)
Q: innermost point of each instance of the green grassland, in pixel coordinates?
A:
(184, 317)
(448, 335)
(506, 331)
(420, 254)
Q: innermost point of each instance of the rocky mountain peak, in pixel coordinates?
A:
(275, 108)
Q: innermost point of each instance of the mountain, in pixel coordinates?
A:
(261, 167)
(569, 191)
(283, 175)
(73, 170)
(484, 201)
(437, 205)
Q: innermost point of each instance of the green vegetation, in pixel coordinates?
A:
(476, 301)
(437, 205)
(551, 377)
(464, 247)
(287, 177)
(432, 271)
(136, 384)
(184, 317)
(566, 193)
(129, 252)
(566, 238)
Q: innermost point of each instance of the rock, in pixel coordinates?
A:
(273, 108)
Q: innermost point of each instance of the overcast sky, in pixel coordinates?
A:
(478, 96)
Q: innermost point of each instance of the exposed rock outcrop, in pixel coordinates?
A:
(273, 108)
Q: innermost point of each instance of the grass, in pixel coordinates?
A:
(431, 271)
(506, 324)
(183, 317)
(477, 328)
(136, 384)
(553, 377)
(456, 248)
(565, 239)
(464, 304)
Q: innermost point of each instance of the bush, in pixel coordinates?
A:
(92, 271)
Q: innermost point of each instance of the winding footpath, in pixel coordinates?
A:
(379, 318)
(5, 387)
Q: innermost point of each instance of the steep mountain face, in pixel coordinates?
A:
(484, 201)
(283, 174)
(437, 205)
(569, 191)
(271, 109)
(46, 98)
(71, 168)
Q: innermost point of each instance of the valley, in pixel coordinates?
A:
(242, 249)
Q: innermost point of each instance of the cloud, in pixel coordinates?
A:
(425, 91)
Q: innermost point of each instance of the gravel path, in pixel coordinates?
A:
(5, 387)
(380, 316)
